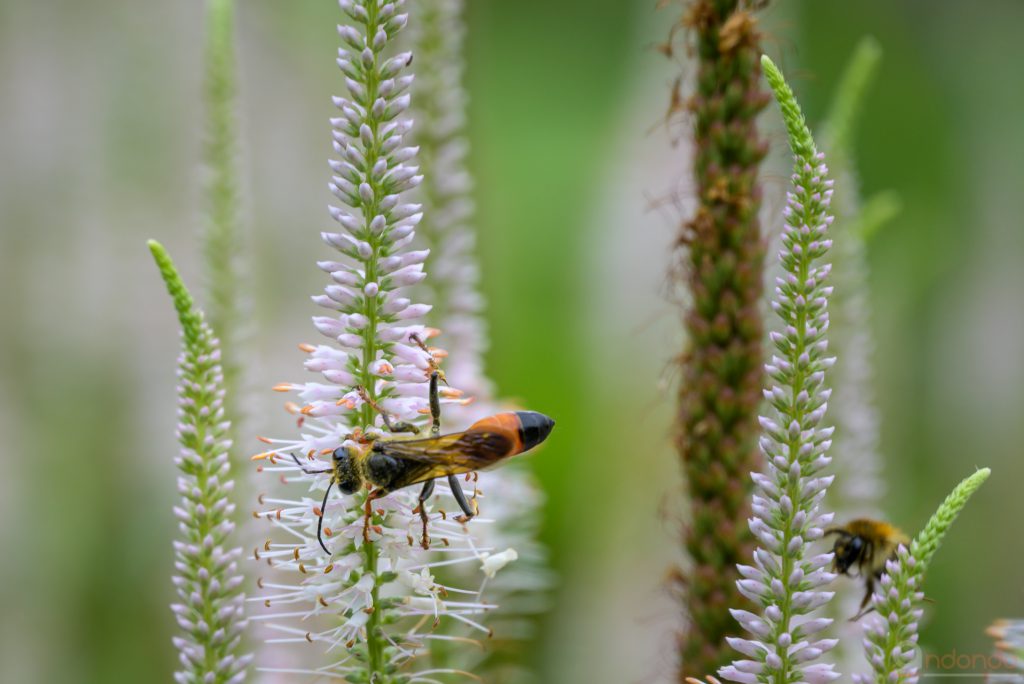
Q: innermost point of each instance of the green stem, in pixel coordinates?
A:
(374, 645)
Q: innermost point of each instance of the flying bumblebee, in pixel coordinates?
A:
(866, 544)
(394, 463)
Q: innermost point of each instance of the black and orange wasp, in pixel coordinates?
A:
(394, 463)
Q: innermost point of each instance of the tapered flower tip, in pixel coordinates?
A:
(534, 428)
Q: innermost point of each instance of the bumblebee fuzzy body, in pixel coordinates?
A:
(866, 545)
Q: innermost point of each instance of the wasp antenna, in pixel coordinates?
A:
(320, 522)
(308, 472)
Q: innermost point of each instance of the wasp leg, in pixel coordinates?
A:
(400, 426)
(308, 472)
(864, 607)
(428, 489)
(435, 374)
(435, 406)
(368, 512)
(460, 498)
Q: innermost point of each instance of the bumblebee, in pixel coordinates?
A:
(865, 544)
(394, 463)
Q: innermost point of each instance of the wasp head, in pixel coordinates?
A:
(346, 470)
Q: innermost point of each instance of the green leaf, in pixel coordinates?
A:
(849, 96)
(877, 211)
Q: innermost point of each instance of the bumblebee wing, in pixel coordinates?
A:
(461, 452)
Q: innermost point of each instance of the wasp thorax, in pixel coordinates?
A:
(346, 474)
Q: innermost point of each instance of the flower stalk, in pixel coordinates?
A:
(207, 581)
(859, 487)
(374, 603)
(722, 256)
(222, 226)
(891, 643)
(512, 499)
(785, 579)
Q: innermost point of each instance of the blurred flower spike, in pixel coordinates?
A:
(1009, 635)
(512, 498)
(368, 607)
(207, 579)
(785, 578)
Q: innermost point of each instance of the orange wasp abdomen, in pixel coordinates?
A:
(523, 429)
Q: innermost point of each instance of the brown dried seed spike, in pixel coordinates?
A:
(738, 30)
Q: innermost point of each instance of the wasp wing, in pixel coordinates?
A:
(461, 452)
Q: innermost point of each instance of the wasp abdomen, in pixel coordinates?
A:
(534, 428)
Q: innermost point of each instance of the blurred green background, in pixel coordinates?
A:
(101, 128)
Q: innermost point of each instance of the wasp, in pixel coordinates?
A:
(387, 464)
